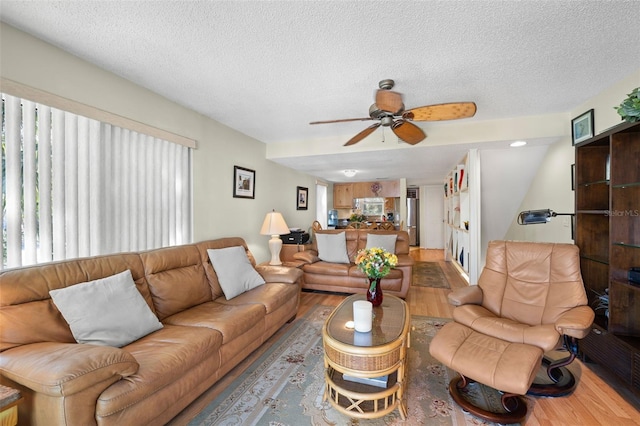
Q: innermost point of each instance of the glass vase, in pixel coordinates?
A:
(374, 293)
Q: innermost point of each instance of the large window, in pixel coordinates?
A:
(74, 187)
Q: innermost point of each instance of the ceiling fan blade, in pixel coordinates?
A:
(450, 111)
(344, 120)
(408, 132)
(389, 101)
(363, 134)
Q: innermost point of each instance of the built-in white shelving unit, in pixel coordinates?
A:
(462, 216)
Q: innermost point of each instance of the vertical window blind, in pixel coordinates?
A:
(75, 187)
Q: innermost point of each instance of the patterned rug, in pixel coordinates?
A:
(285, 385)
(429, 274)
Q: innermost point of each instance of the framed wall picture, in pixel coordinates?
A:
(582, 127)
(302, 195)
(244, 182)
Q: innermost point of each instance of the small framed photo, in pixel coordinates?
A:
(582, 127)
(244, 182)
(302, 195)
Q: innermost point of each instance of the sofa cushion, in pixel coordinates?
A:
(229, 320)
(176, 279)
(235, 272)
(272, 296)
(387, 242)
(332, 247)
(108, 311)
(164, 357)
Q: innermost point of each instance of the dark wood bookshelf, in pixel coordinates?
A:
(608, 234)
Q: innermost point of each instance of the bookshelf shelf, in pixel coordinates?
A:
(462, 216)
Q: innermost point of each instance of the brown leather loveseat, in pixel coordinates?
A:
(150, 380)
(347, 277)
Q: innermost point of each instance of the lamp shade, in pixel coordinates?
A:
(274, 224)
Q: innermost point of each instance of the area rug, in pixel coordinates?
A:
(285, 385)
(429, 274)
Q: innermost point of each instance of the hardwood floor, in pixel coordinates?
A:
(594, 402)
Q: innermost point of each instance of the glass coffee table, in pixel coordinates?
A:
(365, 373)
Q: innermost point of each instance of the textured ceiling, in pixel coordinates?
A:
(269, 68)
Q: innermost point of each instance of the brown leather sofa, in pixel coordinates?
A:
(150, 380)
(346, 277)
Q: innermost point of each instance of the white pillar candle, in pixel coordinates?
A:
(362, 315)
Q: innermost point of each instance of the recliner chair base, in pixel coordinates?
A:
(515, 408)
(563, 381)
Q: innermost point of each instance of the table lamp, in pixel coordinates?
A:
(275, 226)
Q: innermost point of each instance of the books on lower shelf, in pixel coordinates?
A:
(380, 382)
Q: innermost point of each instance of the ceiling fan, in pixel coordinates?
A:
(389, 111)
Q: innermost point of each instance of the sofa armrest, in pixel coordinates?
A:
(471, 295)
(405, 260)
(63, 369)
(576, 322)
(307, 256)
(279, 274)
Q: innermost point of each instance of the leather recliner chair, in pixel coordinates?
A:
(530, 300)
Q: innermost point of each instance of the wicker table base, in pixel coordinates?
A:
(383, 354)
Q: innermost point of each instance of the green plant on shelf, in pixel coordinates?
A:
(629, 109)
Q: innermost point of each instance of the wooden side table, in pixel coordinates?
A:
(365, 357)
(9, 400)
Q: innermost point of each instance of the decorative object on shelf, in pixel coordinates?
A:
(629, 109)
(244, 182)
(602, 302)
(376, 188)
(375, 263)
(582, 127)
(532, 217)
(634, 275)
(302, 194)
(275, 226)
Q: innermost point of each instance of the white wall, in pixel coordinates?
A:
(431, 217)
(506, 178)
(34, 63)
(551, 187)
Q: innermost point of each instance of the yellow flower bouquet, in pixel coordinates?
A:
(376, 262)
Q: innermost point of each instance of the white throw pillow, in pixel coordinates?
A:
(385, 242)
(235, 272)
(332, 247)
(108, 312)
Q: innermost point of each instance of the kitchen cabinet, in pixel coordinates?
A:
(383, 189)
(342, 195)
(607, 225)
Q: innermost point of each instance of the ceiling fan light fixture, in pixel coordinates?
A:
(386, 121)
(350, 173)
